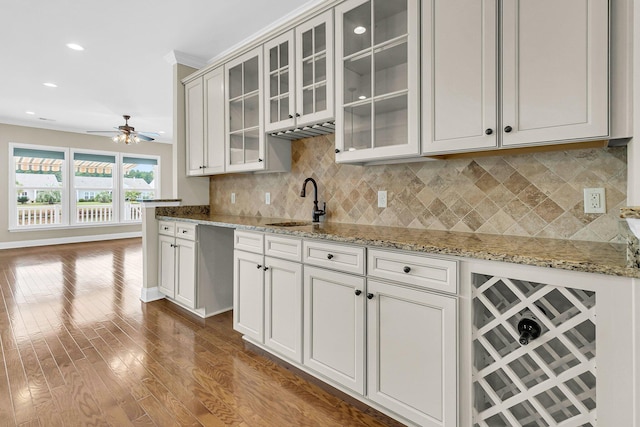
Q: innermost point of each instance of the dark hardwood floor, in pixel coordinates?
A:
(79, 348)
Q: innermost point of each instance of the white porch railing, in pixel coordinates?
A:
(52, 214)
(39, 215)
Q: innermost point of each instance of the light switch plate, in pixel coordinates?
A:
(233, 198)
(267, 198)
(382, 199)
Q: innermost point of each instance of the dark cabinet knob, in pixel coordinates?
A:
(488, 131)
(369, 296)
(259, 160)
(337, 151)
(165, 228)
(508, 129)
(358, 292)
(406, 269)
(184, 231)
(297, 114)
(265, 268)
(259, 266)
(329, 256)
(290, 116)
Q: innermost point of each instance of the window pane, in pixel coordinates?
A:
(93, 176)
(39, 187)
(138, 183)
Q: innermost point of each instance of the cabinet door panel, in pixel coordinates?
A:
(411, 350)
(248, 295)
(555, 70)
(283, 307)
(214, 116)
(167, 272)
(377, 80)
(334, 326)
(314, 70)
(280, 104)
(194, 102)
(186, 272)
(459, 65)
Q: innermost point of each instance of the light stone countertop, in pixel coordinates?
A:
(590, 257)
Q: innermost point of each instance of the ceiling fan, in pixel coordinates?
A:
(126, 134)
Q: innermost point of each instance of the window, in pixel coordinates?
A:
(59, 187)
(138, 183)
(39, 187)
(93, 174)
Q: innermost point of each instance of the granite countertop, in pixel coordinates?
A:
(591, 257)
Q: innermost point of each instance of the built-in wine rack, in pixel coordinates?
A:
(551, 380)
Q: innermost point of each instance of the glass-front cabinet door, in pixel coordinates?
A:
(299, 77)
(377, 86)
(314, 69)
(243, 95)
(280, 107)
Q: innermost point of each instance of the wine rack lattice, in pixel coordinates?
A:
(549, 382)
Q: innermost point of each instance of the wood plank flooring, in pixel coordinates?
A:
(78, 348)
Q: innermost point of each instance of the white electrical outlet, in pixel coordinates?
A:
(382, 199)
(233, 198)
(267, 198)
(594, 200)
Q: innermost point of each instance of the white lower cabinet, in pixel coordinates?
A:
(248, 294)
(390, 344)
(178, 263)
(268, 294)
(334, 304)
(283, 307)
(411, 353)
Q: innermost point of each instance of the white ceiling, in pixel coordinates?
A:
(122, 69)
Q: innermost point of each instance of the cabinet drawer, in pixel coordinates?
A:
(186, 231)
(248, 241)
(167, 228)
(283, 247)
(349, 259)
(426, 272)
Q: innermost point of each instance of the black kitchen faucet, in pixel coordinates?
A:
(316, 212)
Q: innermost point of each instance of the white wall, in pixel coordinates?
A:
(27, 135)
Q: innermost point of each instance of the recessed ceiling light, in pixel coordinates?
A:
(362, 97)
(49, 84)
(359, 29)
(161, 132)
(74, 46)
(31, 113)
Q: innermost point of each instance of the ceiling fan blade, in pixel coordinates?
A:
(144, 137)
(111, 132)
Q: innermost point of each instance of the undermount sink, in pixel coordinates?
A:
(290, 224)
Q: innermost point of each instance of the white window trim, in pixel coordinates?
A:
(12, 200)
(69, 203)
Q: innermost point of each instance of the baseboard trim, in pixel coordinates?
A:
(150, 294)
(65, 240)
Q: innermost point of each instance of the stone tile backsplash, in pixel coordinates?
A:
(537, 195)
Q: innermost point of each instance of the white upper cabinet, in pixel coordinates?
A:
(314, 70)
(459, 79)
(245, 139)
(204, 100)
(299, 78)
(194, 113)
(554, 70)
(377, 85)
(553, 80)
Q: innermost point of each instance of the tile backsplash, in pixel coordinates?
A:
(526, 194)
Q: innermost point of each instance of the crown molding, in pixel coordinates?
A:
(176, 57)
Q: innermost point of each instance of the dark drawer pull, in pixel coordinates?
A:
(265, 268)
(329, 256)
(358, 292)
(406, 269)
(369, 296)
(259, 266)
